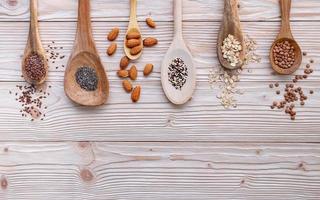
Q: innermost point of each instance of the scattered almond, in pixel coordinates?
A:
(123, 73)
(149, 42)
(133, 72)
(127, 86)
(113, 34)
(133, 35)
(133, 43)
(135, 95)
(112, 49)
(150, 23)
(148, 69)
(136, 50)
(124, 62)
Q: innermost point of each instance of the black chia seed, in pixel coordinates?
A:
(87, 78)
(34, 66)
(178, 73)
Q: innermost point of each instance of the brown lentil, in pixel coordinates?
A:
(283, 54)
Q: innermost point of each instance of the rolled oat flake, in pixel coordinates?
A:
(87, 78)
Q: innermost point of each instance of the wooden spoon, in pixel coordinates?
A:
(286, 35)
(178, 49)
(84, 53)
(230, 25)
(34, 45)
(133, 27)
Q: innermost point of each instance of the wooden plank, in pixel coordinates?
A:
(160, 171)
(199, 10)
(200, 37)
(154, 119)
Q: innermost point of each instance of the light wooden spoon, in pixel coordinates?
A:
(133, 27)
(85, 54)
(178, 49)
(34, 45)
(230, 25)
(286, 35)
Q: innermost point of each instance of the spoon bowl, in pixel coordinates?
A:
(178, 49)
(85, 54)
(286, 35)
(34, 45)
(133, 27)
(297, 60)
(230, 25)
(72, 88)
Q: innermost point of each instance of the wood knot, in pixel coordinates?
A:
(86, 175)
(84, 144)
(12, 3)
(4, 182)
(6, 149)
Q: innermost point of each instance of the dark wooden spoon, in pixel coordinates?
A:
(286, 35)
(85, 54)
(230, 25)
(34, 45)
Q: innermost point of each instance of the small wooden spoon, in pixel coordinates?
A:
(85, 54)
(230, 25)
(34, 45)
(133, 27)
(178, 49)
(286, 35)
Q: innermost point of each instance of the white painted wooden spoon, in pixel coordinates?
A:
(178, 49)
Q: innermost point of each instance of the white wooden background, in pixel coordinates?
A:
(154, 150)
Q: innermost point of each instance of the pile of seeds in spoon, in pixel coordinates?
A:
(226, 80)
(293, 93)
(34, 66)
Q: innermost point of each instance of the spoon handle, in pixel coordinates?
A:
(33, 29)
(84, 32)
(178, 18)
(133, 10)
(285, 6)
(231, 12)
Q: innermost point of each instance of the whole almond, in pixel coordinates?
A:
(124, 62)
(133, 43)
(112, 49)
(148, 69)
(123, 73)
(135, 95)
(113, 34)
(136, 50)
(150, 23)
(133, 72)
(127, 86)
(150, 41)
(133, 35)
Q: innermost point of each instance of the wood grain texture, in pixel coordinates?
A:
(154, 119)
(194, 10)
(192, 171)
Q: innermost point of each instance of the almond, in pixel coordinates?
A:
(133, 43)
(127, 86)
(133, 35)
(150, 23)
(148, 69)
(135, 95)
(133, 72)
(112, 49)
(149, 42)
(113, 34)
(136, 50)
(123, 73)
(124, 62)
